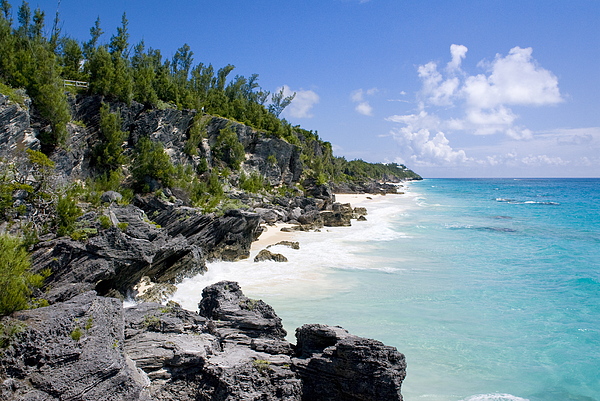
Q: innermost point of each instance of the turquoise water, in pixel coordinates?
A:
(490, 287)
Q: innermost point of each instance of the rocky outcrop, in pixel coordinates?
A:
(89, 348)
(335, 365)
(16, 132)
(113, 261)
(265, 255)
(71, 351)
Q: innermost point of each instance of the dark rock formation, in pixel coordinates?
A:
(339, 216)
(89, 348)
(338, 366)
(265, 254)
(291, 244)
(15, 128)
(71, 351)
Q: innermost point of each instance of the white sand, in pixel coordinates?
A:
(272, 236)
(359, 199)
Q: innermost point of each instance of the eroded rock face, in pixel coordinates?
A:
(233, 350)
(89, 348)
(71, 351)
(15, 128)
(336, 365)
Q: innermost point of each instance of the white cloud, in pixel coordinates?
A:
(459, 52)
(428, 149)
(302, 104)
(514, 80)
(358, 96)
(364, 108)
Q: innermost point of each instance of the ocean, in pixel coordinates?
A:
(490, 287)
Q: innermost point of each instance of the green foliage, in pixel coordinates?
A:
(104, 221)
(229, 149)
(263, 366)
(16, 280)
(152, 163)
(9, 331)
(195, 135)
(13, 94)
(253, 183)
(67, 213)
(108, 153)
(76, 333)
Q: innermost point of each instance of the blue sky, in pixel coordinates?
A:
(450, 88)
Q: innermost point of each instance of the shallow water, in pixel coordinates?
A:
(491, 288)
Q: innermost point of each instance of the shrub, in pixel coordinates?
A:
(151, 162)
(229, 149)
(16, 280)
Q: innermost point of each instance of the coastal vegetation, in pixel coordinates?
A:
(221, 119)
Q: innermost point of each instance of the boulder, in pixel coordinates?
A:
(265, 255)
(291, 244)
(336, 365)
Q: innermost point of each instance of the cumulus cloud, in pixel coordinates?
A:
(426, 148)
(512, 80)
(302, 104)
(359, 96)
(458, 52)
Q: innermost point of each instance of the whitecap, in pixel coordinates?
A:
(495, 397)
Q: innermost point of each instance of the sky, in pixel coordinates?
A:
(471, 88)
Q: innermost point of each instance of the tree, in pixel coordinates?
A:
(120, 42)
(108, 153)
(229, 149)
(90, 46)
(152, 163)
(279, 102)
(16, 280)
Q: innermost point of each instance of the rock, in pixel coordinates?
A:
(361, 218)
(359, 211)
(265, 255)
(336, 365)
(226, 305)
(72, 350)
(187, 356)
(291, 244)
(111, 197)
(16, 132)
(112, 261)
(339, 216)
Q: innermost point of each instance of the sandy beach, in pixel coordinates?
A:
(272, 235)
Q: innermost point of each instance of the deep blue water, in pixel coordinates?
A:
(490, 287)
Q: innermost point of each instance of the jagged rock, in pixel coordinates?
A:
(339, 216)
(222, 359)
(291, 244)
(113, 260)
(270, 216)
(15, 128)
(222, 238)
(361, 218)
(265, 255)
(72, 350)
(360, 211)
(312, 219)
(89, 348)
(225, 304)
(336, 365)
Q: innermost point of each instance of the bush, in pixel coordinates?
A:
(16, 280)
(151, 162)
(229, 149)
